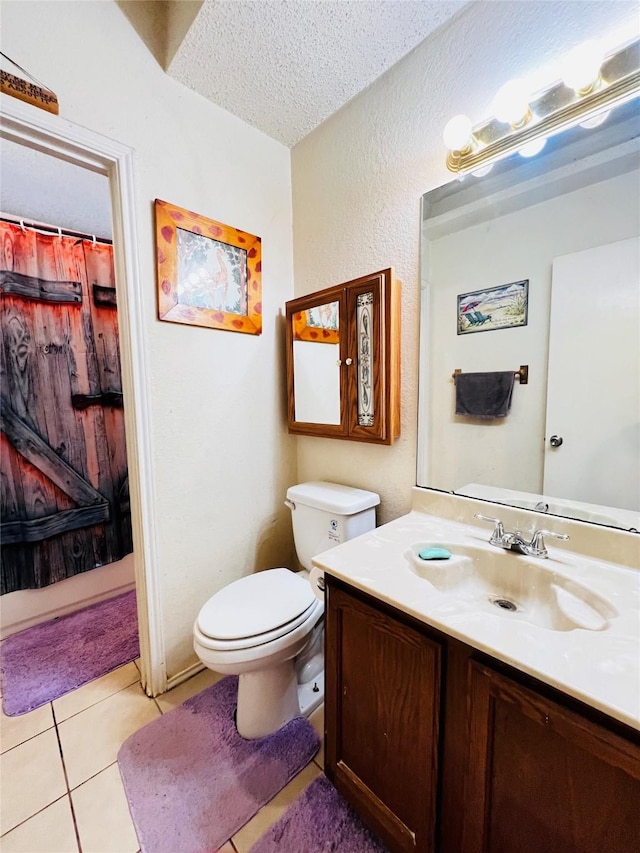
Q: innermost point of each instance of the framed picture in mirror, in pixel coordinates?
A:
(501, 307)
(208, 274)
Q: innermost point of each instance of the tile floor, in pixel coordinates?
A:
(60, 787)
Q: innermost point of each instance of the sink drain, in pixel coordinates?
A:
(504, 604)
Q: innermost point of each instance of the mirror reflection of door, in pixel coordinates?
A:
(593, 397)
(316, 364)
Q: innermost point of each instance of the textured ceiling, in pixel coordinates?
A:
(284, 66)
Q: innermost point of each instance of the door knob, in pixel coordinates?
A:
(556, 440)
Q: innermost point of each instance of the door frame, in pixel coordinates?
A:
(51, 134)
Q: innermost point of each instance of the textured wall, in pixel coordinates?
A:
(358, 179)
(222, 457)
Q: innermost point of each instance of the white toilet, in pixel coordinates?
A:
(267, 628)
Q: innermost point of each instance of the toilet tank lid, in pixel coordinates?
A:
(333, 497)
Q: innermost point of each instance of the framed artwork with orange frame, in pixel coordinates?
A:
(208, 274)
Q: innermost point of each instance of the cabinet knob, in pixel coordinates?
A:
(555, 440)
(339, 362)
(348, 361)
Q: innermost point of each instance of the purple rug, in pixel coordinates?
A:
(48, 660)
(319, 821)
(192, 781)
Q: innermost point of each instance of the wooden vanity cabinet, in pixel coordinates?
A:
(441, 748)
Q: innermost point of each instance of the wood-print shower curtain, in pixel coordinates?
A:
(64, 485)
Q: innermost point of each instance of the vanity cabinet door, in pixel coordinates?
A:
(543, 778)
(381, 707)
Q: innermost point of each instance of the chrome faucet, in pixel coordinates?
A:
(515, 541)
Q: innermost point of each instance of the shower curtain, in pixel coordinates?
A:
(64, 486)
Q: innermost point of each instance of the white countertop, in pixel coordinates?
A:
(598, 667)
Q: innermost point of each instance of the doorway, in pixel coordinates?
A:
(65, 497)
(23, 125)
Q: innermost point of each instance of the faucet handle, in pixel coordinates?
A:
(498, 532)
(537, 545)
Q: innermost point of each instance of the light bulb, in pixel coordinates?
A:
(581, 68)
(511, 104)
(530, 149)
(595, 120)
(457, 133)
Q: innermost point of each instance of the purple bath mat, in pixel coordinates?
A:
(319, 821)
(48, 660)
(192, 781)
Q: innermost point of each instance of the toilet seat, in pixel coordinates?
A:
(255, 610)
(217, 644)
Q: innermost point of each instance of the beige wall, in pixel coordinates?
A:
(222, 458)
(358, 179)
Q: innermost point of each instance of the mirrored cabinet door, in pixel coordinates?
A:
(343, 366)
(316, 362)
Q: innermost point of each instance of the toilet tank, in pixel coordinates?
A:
(327, 514)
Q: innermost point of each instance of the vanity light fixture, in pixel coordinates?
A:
(593, 83)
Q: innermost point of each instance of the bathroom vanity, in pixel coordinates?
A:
(456, 726)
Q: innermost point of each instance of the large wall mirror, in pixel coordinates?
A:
(568, 223)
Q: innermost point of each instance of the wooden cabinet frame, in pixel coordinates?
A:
(384, 427)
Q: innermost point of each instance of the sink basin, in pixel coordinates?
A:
(512, 585)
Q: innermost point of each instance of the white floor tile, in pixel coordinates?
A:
(50, 831)
(245, 839)
(91, 739)
(15, 730)
(95, 691)
(187, 689)
(31, 777)
(317, 721)
(102, 814)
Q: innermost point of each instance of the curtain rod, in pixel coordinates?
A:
(53, 229)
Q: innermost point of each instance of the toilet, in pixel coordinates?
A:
(268, 628)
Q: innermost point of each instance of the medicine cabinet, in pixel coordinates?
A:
(343, 360)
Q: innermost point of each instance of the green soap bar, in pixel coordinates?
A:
(434, 554)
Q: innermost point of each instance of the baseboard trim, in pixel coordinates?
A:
(185, 675)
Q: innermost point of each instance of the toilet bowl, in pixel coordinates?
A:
(282, 621)
(268, 628)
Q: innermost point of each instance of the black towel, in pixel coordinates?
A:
(484, 395)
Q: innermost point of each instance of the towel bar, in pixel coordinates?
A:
(522, 374)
